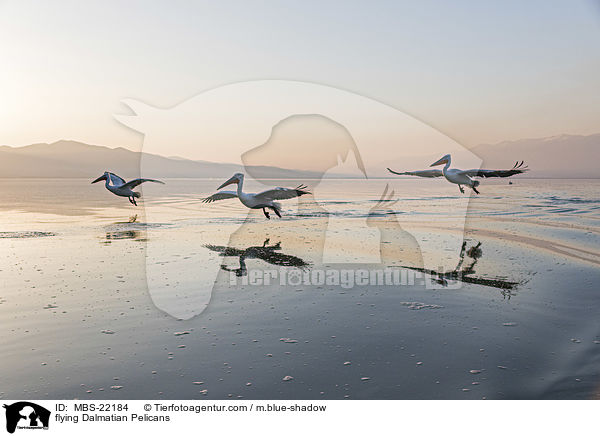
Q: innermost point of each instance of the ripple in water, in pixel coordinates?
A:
(25, 234)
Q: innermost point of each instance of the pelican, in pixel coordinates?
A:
(120, 187)
(463, 177)
(263, 200)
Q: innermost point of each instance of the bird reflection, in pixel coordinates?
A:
(396, 244)
(124, 234)
(465, 269)
(267, 253)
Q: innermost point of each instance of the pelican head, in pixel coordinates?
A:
(442, 161)
(236, 178)
(102, 177)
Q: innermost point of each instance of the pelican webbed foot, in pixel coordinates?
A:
(461, 189)
(266, 213)
(475, 189)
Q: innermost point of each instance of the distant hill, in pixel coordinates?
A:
(563, 156)
(71, 159)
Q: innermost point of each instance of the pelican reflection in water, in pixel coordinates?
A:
(267, 253)
(464, 273)
(123, 234)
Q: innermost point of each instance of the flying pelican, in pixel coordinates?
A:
(263, 200)
(463, 177)
(120, 187)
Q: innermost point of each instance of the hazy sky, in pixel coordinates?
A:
(479, 71)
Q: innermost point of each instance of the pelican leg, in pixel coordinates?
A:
(276, 212)
(266, 213)
(475, 189)
(132, 201)
(461, 189)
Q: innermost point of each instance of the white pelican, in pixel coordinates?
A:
(263, 200)
(463, 177)
(120, 187)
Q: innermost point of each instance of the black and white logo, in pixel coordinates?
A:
(26, 415)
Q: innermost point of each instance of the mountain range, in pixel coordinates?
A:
(72, 159)
(563, 156)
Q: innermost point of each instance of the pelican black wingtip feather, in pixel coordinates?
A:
(302, 190)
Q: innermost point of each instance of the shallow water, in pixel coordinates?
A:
(517, 313)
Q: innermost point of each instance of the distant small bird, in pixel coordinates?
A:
(263, 200)
(120, 187)
(463, 177)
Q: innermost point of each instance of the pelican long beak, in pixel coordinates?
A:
(234, 179)
(102, 177)
(442, 161)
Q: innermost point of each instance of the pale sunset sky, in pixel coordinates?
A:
(477, 71)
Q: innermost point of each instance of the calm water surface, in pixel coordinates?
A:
(516, 316)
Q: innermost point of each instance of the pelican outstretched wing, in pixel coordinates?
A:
(115, 180)
(282, 193)
(221, 195)
(281, 259)
(422, 173)
(517, 169)
(136, 182)
(225, 251)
